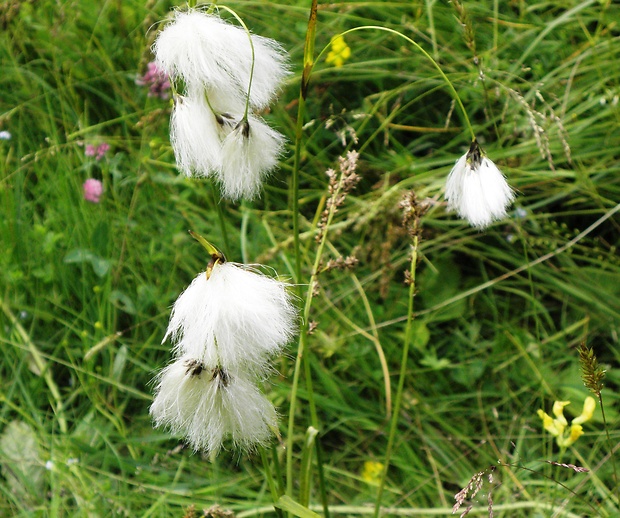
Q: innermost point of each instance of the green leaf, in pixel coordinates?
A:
(306, 465)
(420, 335)
(100, 265)
(286, 503)
(21, 464)
(122, 302)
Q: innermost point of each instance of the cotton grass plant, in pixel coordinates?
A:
(377, 261)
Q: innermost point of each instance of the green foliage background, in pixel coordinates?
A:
(86, 288)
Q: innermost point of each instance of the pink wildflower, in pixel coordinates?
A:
(93, 189)
(97, 151)
(102, 149)
(157, 81)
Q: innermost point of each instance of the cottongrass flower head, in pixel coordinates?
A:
(232, 316)
(226, 327)
(202, 49)
(226, 73)
(92, 190)
(208, 405)
(477, 190)
(195, 136)
(249, 152)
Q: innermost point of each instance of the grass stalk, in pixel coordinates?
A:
(273, 488)
(401, 378)
(221, 219)
(308, 63)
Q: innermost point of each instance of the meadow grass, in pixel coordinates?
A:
(498, 316)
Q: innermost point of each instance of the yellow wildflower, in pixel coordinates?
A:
(557, 426)
(588, 411)
(339, 52)
(371, 472)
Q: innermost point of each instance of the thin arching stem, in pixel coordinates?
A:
(449, 84)
(247, 31)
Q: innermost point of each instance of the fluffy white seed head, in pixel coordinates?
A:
(477, 190)
(195, 136)
(249, 152)
(237, 318)
(203, 49)
(209, 405)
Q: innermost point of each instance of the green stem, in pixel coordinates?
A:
(222, 221)
(247, 31)
(610, 446)
(301, 110)
(449, 84)
(301, 351)
(295, 194)
(275, 495)
(401, 378)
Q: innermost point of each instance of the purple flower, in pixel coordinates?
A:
(156, 80)
(93, 189)
(5, 135)
(102, 149)
(97, 151)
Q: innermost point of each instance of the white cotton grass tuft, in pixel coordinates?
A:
(195, 136)
(477, 190)
(202, 49)
(208, 405)
(237, 318)
(249, 152)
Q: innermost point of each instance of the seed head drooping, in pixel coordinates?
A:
(225, 73)
(477, 190)
(226, 327)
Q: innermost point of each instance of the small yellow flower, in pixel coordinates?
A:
(588, 411)
(339, 52)
(557, 426)
(371, 472)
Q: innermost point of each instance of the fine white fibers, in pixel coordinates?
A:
(195, 136)
(205, 50)
(249, 152)
(209, 405)
(477, 190)
(236, 319)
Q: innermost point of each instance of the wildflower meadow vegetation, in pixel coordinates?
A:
(308, 258)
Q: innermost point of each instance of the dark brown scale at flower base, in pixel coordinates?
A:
(194, 367)
(221, 376)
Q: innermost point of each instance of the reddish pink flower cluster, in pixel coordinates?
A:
(157, 81)
(97, 151)
(93, 189)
